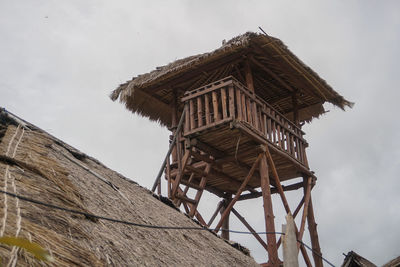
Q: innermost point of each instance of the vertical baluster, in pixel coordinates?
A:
(278, 126)
(192, 112)
(255, 117)
(187, 118)
(287, 137)
(297, 141)
(273, 127)
(224, 106)
(269, 127)
(244, 113)
(207, 108)
(261, 120)
(200, 111)
(249, 108)
(292, 145)
(215, 105)
(231, 102)
(239, 104)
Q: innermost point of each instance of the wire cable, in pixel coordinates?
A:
(88, 215)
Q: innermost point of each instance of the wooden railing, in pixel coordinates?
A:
(228, 100)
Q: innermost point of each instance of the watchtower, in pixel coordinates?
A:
(235, 116)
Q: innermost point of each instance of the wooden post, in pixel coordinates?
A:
(225, 224)
(312, 227)
(290, 250)
(249, 76)
(295, 109)
(273, 259)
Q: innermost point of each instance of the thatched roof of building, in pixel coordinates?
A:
(39, 166)
(352, 259)
(276, 70)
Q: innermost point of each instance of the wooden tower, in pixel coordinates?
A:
(235, 116)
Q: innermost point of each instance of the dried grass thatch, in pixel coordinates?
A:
(37, 165)
(150, 94)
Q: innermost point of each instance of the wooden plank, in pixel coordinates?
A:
(215, 105)
(273, 259)
(207, 108)
(187, 118)
(244, 112)
(237, 195)
(231, 102)
(219, 206)
(249, 76)
(239, 105)
(211, 87)
(307, 194)
(180, 174)
(199, 111)
(248, 226)
(185, 199)
(249, 111)
(224, 105)
(199, 193)
(192, 114)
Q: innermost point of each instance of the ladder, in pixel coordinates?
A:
(195, 168)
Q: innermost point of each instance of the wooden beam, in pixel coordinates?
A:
(253, 232)
(237, 195)
(249, 75)
(273, 259)
(312, 227)
(219, 206)
(277, 181)
(271, 73)
(274, 190)
(307, 195)
(225, 223)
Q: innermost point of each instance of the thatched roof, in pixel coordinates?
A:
(272, 64)
(354, 260)
(37, 165)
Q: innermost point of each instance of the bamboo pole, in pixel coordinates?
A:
(171, 146)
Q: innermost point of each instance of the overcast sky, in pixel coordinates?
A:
(59, 60)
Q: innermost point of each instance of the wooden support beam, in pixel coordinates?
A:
(307, 196)
(277, 181)
(180, 173)
(273, 259)
(249, 75)
(219, 206)
(225, 223)
(237, 195)
(274, 190)
(312, 227)
(254, 233)
(272, 74)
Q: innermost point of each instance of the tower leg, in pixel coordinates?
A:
(273, 259)
(225, 224)
(312, 227)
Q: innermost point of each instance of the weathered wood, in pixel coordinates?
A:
(273, 259)
(199, 111)
(253, 232)
(307, 195)
(231, 91)
(199, 193)
(249, 76)
(237, 195)
(180, 174)
(185, 198)
(215, 105)
(224, 105)
(225, 223)
(219, 206)
(312, 227)
(207, 109)
(192, 114)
